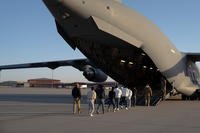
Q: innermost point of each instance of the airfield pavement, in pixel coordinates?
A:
(46, 110)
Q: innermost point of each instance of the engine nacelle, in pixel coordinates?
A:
(93, 74)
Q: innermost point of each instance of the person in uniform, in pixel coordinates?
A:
(147, 95)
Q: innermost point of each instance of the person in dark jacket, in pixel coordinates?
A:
(134, 97)
(111, 99)
(163, 88)
(76, 94)
(100, 97)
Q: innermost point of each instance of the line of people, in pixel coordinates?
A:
(115, 96)
(118, 97)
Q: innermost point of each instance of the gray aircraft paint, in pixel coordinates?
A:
(141, 32)
(83, 20)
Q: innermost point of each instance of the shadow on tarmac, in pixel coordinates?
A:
(39, 98)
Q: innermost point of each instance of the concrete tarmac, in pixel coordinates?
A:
(42, 110)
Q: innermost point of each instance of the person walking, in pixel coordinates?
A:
(76, 94)
(118, 94)
(91, 96)
(134, 97)
(100, 97)
(111, 99)
(163, 88)
(125, 94)
(147, 95)
(130, 93)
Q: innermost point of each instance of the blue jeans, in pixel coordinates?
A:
(100, 102)
(117, 100)
(111, 102)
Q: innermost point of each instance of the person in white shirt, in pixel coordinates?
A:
(118, 94)
(129, 98)
(91, 96)
(125, 94)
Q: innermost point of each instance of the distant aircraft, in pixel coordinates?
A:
(121, 43)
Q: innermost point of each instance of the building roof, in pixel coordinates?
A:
(43, 79)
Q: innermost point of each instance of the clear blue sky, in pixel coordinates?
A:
(28, 34)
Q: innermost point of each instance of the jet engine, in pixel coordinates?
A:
(93, 74)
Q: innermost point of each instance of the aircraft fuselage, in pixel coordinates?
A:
(117, 38)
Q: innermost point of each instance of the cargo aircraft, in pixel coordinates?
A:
(121, 43)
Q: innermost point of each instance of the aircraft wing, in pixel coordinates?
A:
(90, 71)
(78, 64)
(193, 56)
